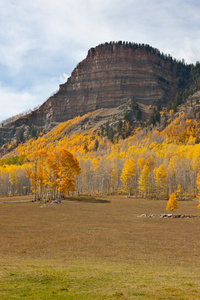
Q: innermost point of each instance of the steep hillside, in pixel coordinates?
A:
(115, 155)
(106, 78)
(79, 134)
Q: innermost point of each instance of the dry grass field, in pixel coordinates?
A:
(98, 248)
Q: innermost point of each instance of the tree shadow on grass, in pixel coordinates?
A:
(88, 199)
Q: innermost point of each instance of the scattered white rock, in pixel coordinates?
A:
(167, 216)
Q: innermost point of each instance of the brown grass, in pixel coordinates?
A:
(100, 228)
(103, 231)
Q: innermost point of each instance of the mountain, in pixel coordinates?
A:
(108, 77)
(124, 105)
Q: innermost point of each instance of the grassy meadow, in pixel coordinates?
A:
(98, 248)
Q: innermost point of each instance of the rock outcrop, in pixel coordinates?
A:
(107, 77)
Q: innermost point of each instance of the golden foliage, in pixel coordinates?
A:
(52, 172)
(172, 202)
(128, 174)
(144, 181)
(198, 186)
(151, 163)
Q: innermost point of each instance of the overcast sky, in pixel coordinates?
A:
(42, 41)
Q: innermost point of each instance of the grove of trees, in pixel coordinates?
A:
(149, 164)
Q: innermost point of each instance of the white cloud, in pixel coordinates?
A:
(41, 41)
(13, 102)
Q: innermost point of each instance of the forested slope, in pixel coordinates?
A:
(150, 161)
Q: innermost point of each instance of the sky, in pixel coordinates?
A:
(42, 41)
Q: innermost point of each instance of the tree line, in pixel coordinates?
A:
(149, 164)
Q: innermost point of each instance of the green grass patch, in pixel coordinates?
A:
(77, 279)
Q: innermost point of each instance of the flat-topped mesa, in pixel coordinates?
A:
(107, 77)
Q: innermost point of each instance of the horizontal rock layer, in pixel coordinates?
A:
(108, 76)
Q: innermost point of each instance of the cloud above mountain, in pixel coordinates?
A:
(41, 40)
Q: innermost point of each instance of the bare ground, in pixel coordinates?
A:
(105, 228)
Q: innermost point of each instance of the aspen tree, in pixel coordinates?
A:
(32, 174)
(53, 171)
(42, 155)
(144, 181)
(95, 173)
(52, 164)
(64, 167)
(198, 186)
(160, 177)
(69, 168)
(176, 147)
(127, 175)
(172, 170)
(113, 178)
(179, 192)
(172, 202)
(13, 179)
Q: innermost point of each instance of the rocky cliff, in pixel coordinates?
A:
(107, 77)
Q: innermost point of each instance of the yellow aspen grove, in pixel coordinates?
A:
(32, 174)
(52, 177)
(164, 159)
(113, 178)
(160, 177)
(42, 155)
(69, 168)
(179, 192)
(127, 175)
(198, 186)
(53, 172)
(13, 179)
(172, 202)
(144, 181)
(172, 171)
(141, 162)
(95, 174)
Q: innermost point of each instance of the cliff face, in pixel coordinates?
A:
(106, 78)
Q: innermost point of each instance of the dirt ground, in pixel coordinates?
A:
(107, 228)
